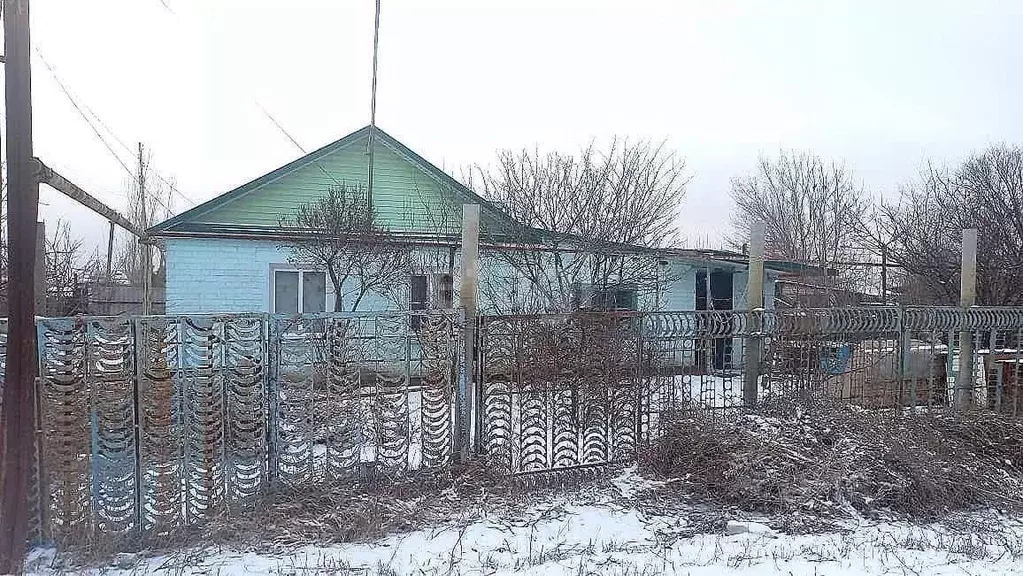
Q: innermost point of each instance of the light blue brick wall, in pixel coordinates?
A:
(212, 275)
(206, 275)
(215, 275)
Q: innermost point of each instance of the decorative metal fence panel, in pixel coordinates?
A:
(152, 424)
(356, 390)
(545, 382)
(558, 392)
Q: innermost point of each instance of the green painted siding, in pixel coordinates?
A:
(407, 198)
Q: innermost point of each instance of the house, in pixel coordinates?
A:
(227, 255)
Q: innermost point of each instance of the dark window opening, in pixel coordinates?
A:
(584, 298)
(419, 293)
(719, 349)
(430, 292)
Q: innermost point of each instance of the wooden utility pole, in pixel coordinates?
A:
(46, 175)
(17, 421)
(147, 248)
(467, 288)
(110, 254)
(967, 298)
(754, 301)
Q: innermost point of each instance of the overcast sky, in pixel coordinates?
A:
(882, 85)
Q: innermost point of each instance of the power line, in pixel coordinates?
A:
(281, 128)
(373, 104)
(296, 142)
(81, 113)
(82, 108)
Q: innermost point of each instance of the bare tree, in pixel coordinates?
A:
(986, 192)
(339, 234)
(64, 273)
(813, 210)
(584, 217)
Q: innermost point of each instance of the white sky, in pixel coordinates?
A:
(882, 85)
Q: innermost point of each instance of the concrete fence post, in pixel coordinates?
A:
(754, 302)
(967, 297)
(465, 394)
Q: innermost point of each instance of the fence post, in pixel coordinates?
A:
(463, 430)
(967, 298)
(754, 301)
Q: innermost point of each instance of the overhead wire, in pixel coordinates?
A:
(297, 145)
(85, 111)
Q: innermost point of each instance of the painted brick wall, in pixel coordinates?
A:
(218, 276)
(208, 276)
(214, 275)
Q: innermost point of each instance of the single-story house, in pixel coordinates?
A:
(228, 254)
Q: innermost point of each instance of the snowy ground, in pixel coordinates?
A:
(621, 530)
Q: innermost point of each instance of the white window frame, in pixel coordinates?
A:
(329, 293)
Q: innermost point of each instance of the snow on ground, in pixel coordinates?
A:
(607, 534)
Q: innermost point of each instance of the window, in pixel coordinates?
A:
(588, 298)
(299, 291)
(625, 299)
(419, 300)
(430, 291)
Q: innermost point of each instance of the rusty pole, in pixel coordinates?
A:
(144, 243)
(18, 423)
(110, 254)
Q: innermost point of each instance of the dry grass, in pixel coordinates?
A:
(821, 458)
(358, 510)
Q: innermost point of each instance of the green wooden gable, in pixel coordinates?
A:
(410, 195)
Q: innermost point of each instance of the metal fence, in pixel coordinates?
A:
(559, 392)
(148, 425)
(152, 424)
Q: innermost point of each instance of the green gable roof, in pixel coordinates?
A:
(410, 195)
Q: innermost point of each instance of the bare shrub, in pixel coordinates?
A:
(826, 457)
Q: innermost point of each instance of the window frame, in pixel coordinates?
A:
(328, 294)
(586, 298)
